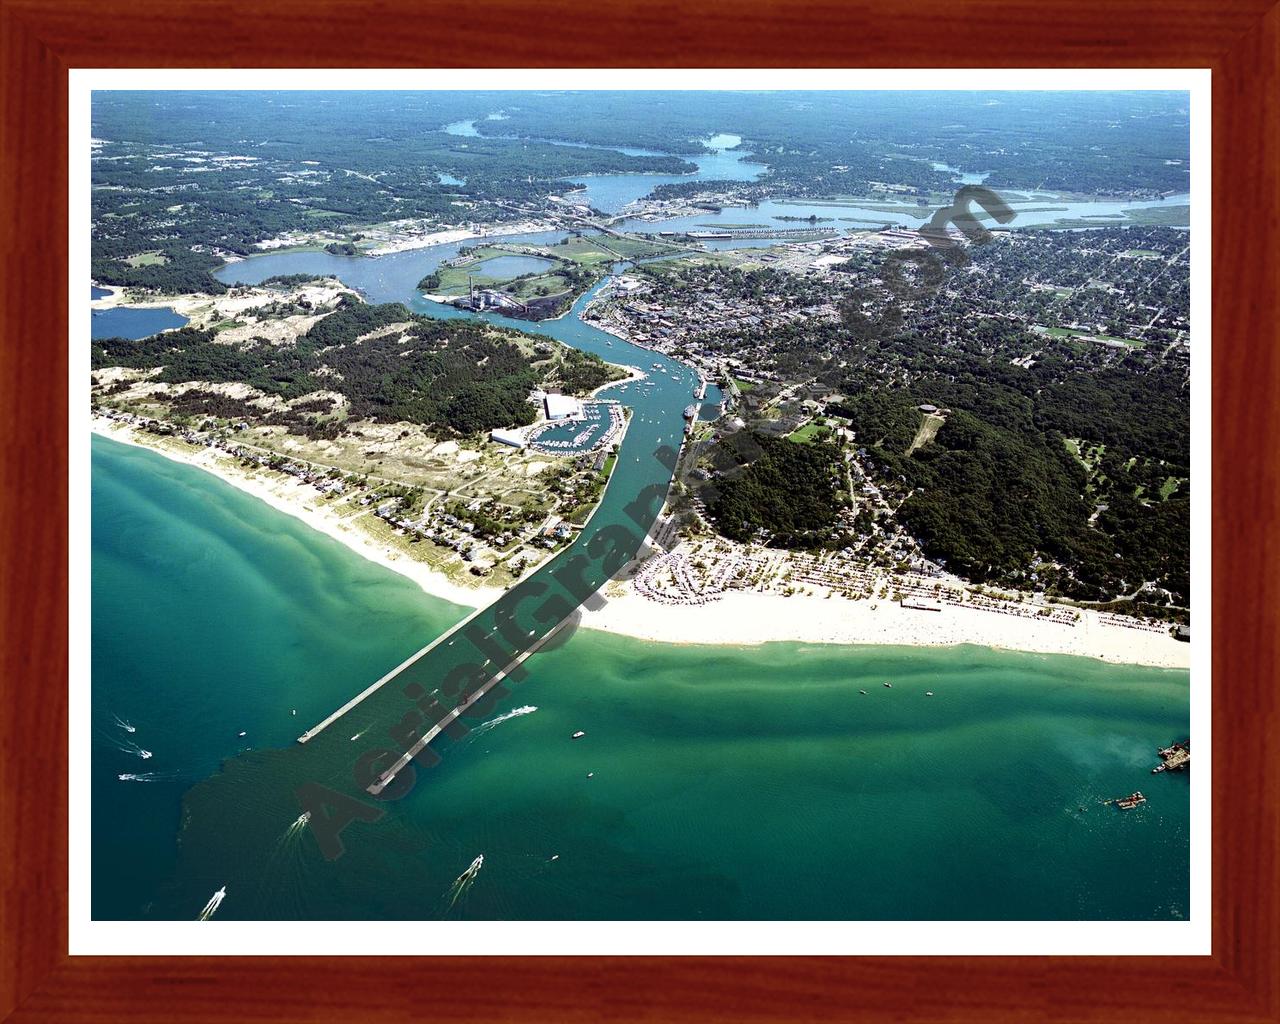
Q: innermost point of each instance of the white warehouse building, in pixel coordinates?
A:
(515, 438)
(562, 407)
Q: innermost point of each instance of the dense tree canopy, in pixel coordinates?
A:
(461, 375)
(786, 495)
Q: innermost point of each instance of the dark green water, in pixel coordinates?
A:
(728, 782)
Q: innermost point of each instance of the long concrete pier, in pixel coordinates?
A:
(388, 776)
(315, 730)
(373, 688)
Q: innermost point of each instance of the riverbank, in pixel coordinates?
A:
(738, 618)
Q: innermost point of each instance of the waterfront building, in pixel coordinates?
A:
(562, 407)
(512, 437)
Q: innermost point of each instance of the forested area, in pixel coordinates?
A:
(458, 375)
(581, 373)
(819, 143)
(784, 494)
(998, 494)
(192, 176)
(188, 178)
(1005, 491)
(184, 270)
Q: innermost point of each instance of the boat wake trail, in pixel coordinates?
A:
(129, 747)
(124, 724)
(528, 709)
(293, 830)
(121, 743)
(462, 884)
(147, 776)
(215, 901)
(283, 882)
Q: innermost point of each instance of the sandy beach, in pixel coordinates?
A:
(426, 241)
(421, 241)
(744, 617)
(203, 309)
(302, 501)
(738, 618)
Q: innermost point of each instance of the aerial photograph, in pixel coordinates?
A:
(605, 505)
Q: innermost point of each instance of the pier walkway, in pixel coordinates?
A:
(370, 690)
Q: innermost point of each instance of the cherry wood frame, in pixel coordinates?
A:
(41, 39)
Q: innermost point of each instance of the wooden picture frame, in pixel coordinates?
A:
(42, 39)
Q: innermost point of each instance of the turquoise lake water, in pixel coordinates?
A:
(726, 782)
(212, 615)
